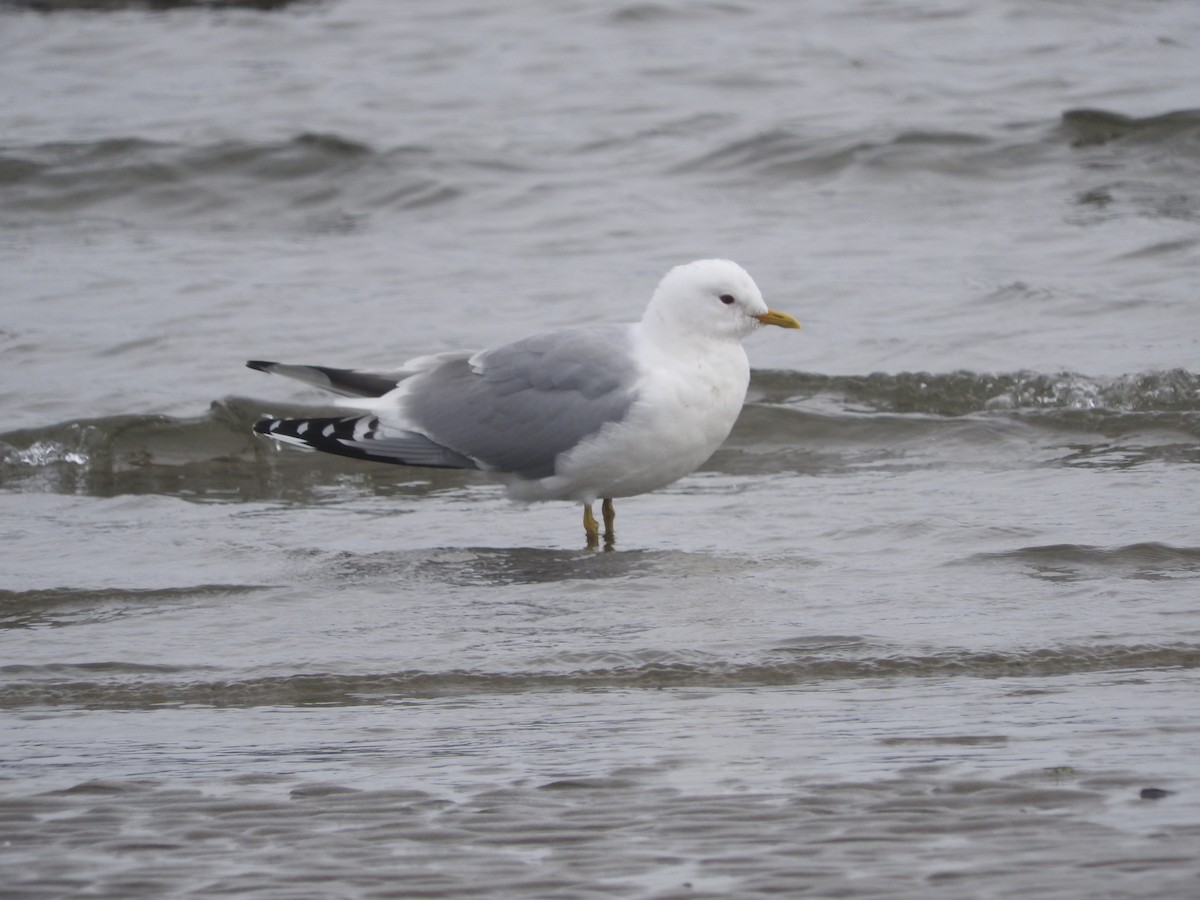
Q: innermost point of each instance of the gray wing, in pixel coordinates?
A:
(349, 382)
(516, 408)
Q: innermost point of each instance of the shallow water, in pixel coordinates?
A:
(925, 626)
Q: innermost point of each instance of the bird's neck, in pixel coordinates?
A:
(666, 334)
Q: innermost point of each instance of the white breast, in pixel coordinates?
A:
(687, 405)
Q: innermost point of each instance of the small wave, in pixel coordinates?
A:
(476, 566)
(776, 153)
(135, 454)
(124, 441)
(1147, 561)
(1094, 127)
(49, 6)
(310, 176)
(962, 393)
(804, 667)
(782, 154)
(210, 458)
(55, 607)
(816, 423)
(1138, 166)
(92, 669)
(654, 13)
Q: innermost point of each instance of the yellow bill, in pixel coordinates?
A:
(783, 320)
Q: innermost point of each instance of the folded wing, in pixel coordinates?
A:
(513, 409)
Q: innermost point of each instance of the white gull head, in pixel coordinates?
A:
(709, 298)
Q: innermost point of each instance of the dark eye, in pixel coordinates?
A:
(727, 299)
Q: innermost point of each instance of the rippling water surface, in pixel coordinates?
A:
(927, 625)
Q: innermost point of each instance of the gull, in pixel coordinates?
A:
(584, 413)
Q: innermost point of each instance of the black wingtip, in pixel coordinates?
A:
(263, 426)
(261, 365)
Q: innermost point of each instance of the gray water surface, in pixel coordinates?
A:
(926, 626)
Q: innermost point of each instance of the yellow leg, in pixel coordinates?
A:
(590, 527)
(610, 516)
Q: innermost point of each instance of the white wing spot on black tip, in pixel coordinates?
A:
(365, 438)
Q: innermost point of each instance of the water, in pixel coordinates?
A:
(925, 626)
